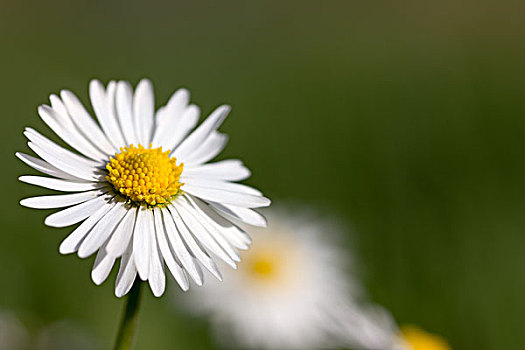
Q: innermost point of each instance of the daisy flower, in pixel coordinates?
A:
(140, 185)
(293, 290)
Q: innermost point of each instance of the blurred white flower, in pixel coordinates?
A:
(294, 290)
(141, 185)
(13, 335)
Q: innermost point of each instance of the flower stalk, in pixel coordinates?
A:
(126, 334)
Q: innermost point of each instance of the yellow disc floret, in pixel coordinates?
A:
(264, 268)
(263, 265)
(144, 175)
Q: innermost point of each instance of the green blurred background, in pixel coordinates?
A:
(406, 118)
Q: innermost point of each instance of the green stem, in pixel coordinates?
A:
(128, 324)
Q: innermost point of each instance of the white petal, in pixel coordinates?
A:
(144, 229)
(200, 254)
(120, 239)
(176, 105)
(181, 252)
(237, 240)
(231, 232)
(211, 227)
(59, 201)
(200, 231)
(231, 170)
(69, 133)
(125, 113)
(65, 119)
(77, 213)
(167, 254)
(67, 164)
(54, 149)
(60, 108)
(102, 230)
(160, 115)
(73, 241)
(221, 185)
(85, 122)
(248, 216)
(169, 118)
(201, 133)
(45, 167)
(156, 276)
(102, 267)
(209, 149)
(103, 105)
(143, 109)
(228, 197)
(172, 133)
(111, 95)
(59, 184)
(126, 274)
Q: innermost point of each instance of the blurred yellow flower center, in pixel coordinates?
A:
(421, 340)
(262, 266)
(144, 175)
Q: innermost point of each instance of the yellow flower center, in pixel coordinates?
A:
(263, 265)
(263, 268)
(421, 340)
(144, 175)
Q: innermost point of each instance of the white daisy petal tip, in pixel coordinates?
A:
(52, 223)
(54, 99)
(142, 272)
(43, 109)
(59, 201)
(119, 293)
(157, 291)
(184, 94)
(222, 111)
(266, 201)
(95, 279)
(82, 254)
(65, 249)
(231, 263)
(95, 84)
(144, 83)
(66, 95)
(100, 272)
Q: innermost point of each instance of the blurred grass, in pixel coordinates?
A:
(406, 118)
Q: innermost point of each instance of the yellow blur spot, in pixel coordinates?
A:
(144, 175)
(421, 340)
(262, 265)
